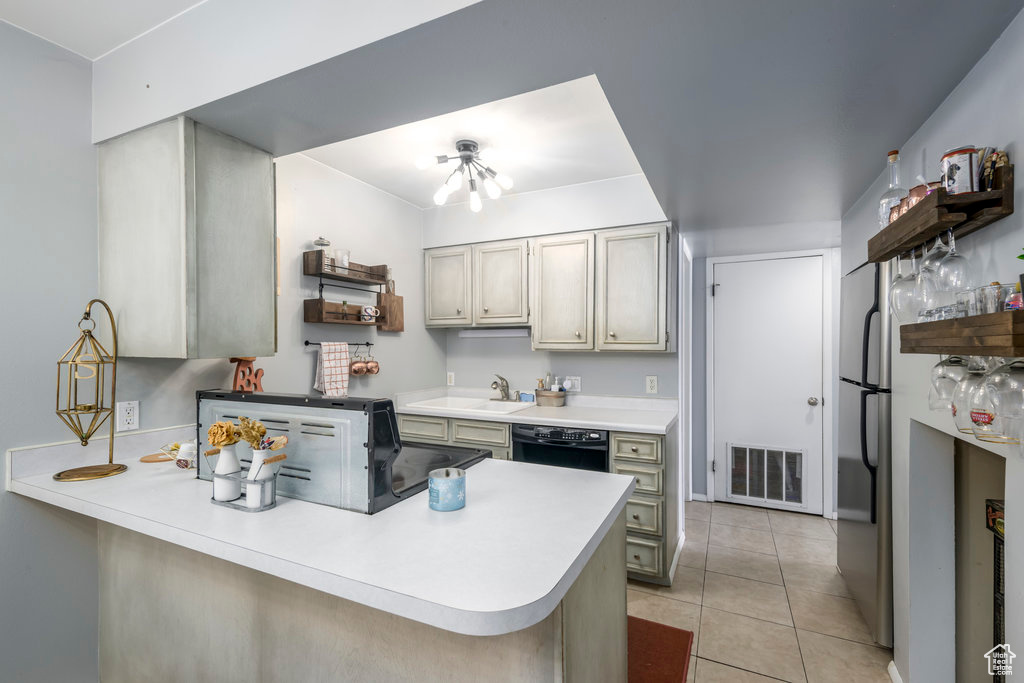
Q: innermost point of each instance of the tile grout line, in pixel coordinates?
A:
(796, 635)
(740, 668)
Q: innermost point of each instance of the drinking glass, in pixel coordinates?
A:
(992, 298)
(954, 273)
(927, 295)
(960, 405)
(946, 375)
(931, 259)
(1005, 386)
(902, 295)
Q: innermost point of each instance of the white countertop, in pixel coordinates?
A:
(499, 565)
(612, 413)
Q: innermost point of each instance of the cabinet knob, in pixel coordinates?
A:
(459, 311)
(577, 333)
(611, 334)
(636, 557)
(486, 309)
(636, 516)
(634, 449)
(638, 480)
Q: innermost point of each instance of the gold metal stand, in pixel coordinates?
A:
(85, 363)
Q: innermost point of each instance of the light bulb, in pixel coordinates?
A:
(475, 204)
(493, 191)
(455, 180)
(441, 196)
(504, 181)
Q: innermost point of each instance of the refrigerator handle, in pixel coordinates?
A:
(867, 336)
(872, 469)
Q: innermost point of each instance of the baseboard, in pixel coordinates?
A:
(702, 497)
(894, 673)
(675, 556)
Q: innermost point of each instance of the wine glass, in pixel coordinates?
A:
(954, 273)
(931, 259)
(946, 375)
(902, 295)
(927, 296)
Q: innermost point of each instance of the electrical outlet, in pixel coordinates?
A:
(451, 379)
(651, 382)
(127, 416)
(573, 384)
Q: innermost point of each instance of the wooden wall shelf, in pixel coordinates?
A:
(939, 212)
(313, 264)
(992, 334)
(322, 311)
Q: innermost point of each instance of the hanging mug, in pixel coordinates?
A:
(358, 366)
(372, 366)
(370, 313)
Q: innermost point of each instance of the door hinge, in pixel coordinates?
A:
(712, 465)
(713, 286)
(666, 336)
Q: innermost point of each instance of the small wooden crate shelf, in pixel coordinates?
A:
(322, 311)
(313, 264)
(992, 334)
(938, 212)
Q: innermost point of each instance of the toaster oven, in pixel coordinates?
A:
(343, 452)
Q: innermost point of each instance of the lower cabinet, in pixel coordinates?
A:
(450, 431)
(649, 526)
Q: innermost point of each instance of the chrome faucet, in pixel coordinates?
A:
(502, 386)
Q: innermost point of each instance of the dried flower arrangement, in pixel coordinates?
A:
(223, 434)
(252, 432)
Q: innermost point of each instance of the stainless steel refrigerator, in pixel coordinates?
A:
(865, 422)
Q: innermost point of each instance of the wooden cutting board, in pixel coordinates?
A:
(394, 312)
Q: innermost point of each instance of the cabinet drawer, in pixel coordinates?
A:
(644, 515)
(487, 433)
(648, 479)
(643, 556)
(414, 427)
(636, 447)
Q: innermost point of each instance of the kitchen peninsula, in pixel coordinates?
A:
(310, 592)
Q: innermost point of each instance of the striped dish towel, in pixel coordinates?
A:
(332, 370)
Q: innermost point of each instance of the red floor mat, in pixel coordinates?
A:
(658, 653)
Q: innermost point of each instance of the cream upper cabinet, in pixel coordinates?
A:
(448, 275)
(500, 283)
(632, 289)
(563, 292)
(187, 242)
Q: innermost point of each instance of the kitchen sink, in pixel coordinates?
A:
(475, 405)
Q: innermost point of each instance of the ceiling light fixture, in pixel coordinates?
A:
(468, 156)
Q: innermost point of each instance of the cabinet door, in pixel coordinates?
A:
(447, 272)
(632, 289)
(563, 287)
(499, 283)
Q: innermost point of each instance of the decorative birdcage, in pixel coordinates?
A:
(84, 373)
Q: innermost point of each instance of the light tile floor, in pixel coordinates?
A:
(762, 595)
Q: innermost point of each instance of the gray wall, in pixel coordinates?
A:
(699, 454)
(475, 361)
(48, 566)
(312, 200)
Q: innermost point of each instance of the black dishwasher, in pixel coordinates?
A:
(581, 449)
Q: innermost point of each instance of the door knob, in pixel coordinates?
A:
(812, 401)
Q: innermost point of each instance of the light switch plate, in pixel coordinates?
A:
(651, 384)
(573, 384)
(451, 379)
(127, 416)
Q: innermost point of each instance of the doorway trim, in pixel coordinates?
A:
(829, 295)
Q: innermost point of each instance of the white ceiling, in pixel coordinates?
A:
(90, 28)
(561, 135)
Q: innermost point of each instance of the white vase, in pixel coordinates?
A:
(227, 463)
(257, 496)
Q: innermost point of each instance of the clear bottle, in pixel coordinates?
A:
(895, 193)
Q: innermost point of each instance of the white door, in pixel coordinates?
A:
(563, 292)
(767, 353)
(632, 285)
(448, 275)
(499, 283)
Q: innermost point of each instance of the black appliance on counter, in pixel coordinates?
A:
(343, 452)
(581, 449)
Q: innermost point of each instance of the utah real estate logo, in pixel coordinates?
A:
(1000, 660)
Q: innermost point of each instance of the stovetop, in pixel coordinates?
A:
(416, 461)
